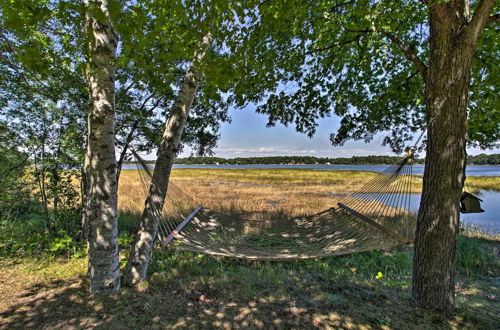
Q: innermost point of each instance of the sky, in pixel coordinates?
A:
(248, 136)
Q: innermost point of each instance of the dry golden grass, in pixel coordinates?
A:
(260, 192)
(292, 192)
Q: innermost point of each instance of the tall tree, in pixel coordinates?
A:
(386, 66)
(167, 151)
(101, 204)
(454, 36)
(210, 77)
(42, 54)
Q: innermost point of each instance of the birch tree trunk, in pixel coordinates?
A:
(100, 163)
(85, 196)
(138, 261)
(453, 40)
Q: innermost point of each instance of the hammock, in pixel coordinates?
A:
(375, 217)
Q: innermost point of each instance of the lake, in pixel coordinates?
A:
(489, 220)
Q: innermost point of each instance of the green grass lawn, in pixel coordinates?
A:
(185, 290)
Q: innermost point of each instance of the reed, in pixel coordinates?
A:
(475, 183)
(288, 191)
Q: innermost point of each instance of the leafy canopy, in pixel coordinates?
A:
(324, 58)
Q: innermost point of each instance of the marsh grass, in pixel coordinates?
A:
(287, 191)
(476, 183)
(267, 194)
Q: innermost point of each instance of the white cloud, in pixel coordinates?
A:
(277, 151)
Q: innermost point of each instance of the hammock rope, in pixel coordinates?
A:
(375, 217)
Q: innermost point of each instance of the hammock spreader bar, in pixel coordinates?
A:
(174, 233)
(391, 234)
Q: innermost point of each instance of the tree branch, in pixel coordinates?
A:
(131, 133)
(493, 19)
(480, 19)
(409, 54)
(337, 44)
(331, 9)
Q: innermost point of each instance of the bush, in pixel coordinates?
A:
(27, 235)
(475, 257)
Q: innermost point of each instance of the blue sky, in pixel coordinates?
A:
(248, 136)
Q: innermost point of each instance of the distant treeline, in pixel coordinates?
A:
(484, 159)
(481, 159)
(355, 160)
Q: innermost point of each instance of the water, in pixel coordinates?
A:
(471, 170)
(488, 220)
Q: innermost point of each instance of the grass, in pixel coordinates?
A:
(288, 191)
(368, 290)
(363, 291)
(483, 182)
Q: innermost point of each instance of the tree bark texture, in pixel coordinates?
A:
(138, 261)
(85, 196)
(102, 200)
(453, 41)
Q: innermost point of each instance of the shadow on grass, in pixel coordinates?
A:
(253, 298)
(192, 291)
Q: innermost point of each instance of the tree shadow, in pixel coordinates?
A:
(176, 300)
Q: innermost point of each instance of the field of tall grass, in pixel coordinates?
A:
(291, 191)
(288, 191)
(483, 182)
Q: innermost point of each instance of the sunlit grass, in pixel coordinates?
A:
(288, 191)
(483, 182)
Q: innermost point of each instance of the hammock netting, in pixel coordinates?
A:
(375, 217)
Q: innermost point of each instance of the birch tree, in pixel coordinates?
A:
(167, 151)
(201, 103)
(50, 39)
(101, 204)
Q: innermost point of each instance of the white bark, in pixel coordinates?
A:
(167, 151)
(100, 159)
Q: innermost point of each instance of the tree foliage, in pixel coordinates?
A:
(348, 59)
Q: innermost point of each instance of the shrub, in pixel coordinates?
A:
(474, 257)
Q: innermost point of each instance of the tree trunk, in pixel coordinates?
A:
(138, 261)
(452, 44)
(85, 198)
(102, 200)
